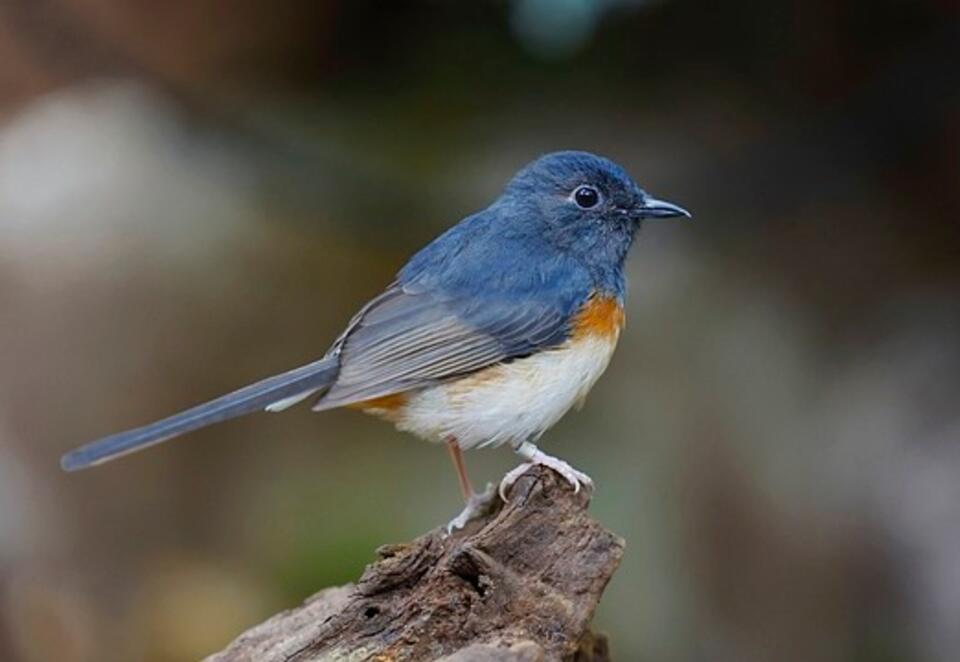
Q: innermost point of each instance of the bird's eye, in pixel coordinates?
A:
(586, 197)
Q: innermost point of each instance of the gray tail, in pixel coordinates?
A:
(303, 380)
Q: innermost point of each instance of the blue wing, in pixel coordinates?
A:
(409, 340)
(484, 292)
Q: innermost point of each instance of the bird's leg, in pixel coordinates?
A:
(534, 456)
(477, 504)
(456, 455)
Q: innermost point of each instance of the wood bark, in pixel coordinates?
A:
(518, 585)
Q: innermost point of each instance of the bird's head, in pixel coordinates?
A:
(585, 203)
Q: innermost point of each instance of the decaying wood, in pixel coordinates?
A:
(519, 585)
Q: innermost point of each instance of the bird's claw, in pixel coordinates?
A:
(569, 474)
(478, 506)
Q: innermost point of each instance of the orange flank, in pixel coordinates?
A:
(387, 406)
(600, 316)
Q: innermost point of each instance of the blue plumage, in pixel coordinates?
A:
(532, 247)
(506, 283)
(534, 241)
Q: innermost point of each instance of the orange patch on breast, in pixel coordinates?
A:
(600, 316)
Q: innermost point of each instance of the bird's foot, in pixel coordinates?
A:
(534, 457)
(477, 506)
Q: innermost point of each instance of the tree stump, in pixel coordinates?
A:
(519, 585)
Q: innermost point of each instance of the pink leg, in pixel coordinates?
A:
(456, 455)
(477, 504)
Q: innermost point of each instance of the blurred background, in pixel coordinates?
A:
(195, 194)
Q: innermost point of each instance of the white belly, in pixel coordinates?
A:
(512, 402)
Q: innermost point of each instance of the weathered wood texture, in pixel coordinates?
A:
(519, 585)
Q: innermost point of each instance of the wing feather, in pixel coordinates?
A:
(404, 340)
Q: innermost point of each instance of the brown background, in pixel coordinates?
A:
(195, 194)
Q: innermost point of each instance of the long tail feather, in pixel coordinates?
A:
(304, 380)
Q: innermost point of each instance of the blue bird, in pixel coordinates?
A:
(487, 336)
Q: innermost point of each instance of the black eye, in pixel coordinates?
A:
(586, 197)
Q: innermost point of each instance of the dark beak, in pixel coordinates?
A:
(653, 208)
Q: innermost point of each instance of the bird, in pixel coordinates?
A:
(486, 337)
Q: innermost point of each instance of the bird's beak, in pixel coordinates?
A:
(653, 208)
